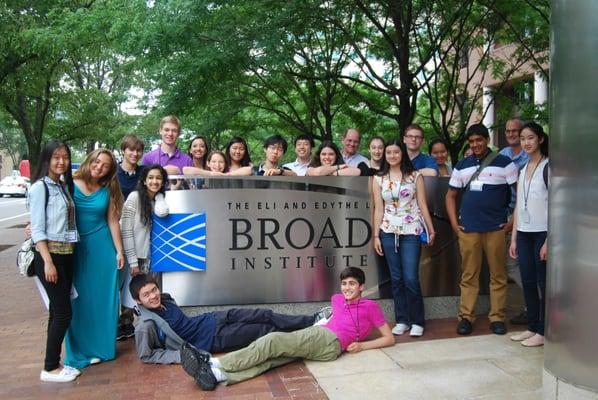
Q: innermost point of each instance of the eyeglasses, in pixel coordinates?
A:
(413, 137)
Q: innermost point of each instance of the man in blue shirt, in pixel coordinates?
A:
(414, 139)
(520, 158)
(514, 150)
(350, 151)
(485, 179)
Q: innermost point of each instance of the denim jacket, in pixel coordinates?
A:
(51, 222)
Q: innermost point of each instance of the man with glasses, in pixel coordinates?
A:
(414, 139)
(274, 147)
(350, 141)
(519, 158)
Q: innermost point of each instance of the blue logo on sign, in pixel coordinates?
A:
(179, 243)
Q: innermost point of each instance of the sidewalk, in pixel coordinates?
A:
(476, 367)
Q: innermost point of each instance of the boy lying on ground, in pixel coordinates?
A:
(353, 319)
(162, 327)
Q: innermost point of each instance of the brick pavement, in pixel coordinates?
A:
(24, 320)
(22, 332)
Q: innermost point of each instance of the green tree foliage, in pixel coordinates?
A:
(61, 74)
(254, 68)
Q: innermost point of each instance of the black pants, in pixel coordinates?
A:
(60, 313)
(238, 327)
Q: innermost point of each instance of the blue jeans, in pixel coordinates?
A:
(403, 263)
(533, 277)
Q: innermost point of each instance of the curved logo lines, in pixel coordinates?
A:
(179, 243)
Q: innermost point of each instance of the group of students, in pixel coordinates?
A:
(84, 235)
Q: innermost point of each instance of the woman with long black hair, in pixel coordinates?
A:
(400, 217)
(237, 157)
(54, 232)
(136, 223)
(529, 238)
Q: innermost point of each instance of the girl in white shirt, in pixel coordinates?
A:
(528, 242)
(136, 221)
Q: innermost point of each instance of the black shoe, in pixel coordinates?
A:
(464, 327)
(498, 327)
(519, 319)
(196, 363)
(125, 331)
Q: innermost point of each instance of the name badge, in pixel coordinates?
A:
(476, 186)
(71, 236)
(525, 216)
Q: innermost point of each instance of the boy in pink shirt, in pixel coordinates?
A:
(353, 319)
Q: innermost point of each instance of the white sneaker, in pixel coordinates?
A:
(416, 330)
(399, 329)
(323, 316)
(94, 360)
(521, 336)
(72, 371)
(61, 377)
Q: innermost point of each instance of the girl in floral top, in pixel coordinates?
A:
(400, 211)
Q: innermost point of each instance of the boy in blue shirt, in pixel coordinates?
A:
(485, 179)
(163, 327)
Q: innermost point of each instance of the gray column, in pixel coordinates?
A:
(571, 351)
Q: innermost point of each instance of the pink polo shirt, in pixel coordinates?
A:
(355, 321)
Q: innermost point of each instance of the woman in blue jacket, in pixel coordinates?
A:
(54, 233)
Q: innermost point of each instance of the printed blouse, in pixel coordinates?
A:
(402, 215)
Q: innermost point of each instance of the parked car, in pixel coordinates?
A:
(14, 185)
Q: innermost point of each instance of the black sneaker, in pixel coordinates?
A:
(124, 332)
(464, 327)
(519, 319)
(498, 327)
(196, 363)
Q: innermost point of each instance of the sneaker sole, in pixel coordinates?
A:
(189, 362)
(194, 368)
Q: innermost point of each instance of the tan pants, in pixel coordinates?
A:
(471, 246)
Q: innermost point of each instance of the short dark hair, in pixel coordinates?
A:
(305, 136)
(131, 141)
(477, 129)
(139, 281)
(274, 140)
(353, 272)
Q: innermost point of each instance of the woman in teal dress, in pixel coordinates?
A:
(91, 337)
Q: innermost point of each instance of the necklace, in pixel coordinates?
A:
(395, 199)
(355, 323)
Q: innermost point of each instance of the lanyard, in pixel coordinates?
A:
(529, 185)
(355, 324)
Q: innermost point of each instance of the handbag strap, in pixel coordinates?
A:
(485, 162)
